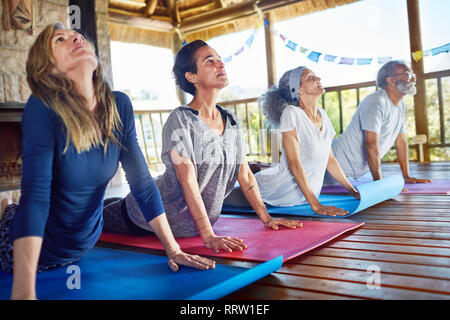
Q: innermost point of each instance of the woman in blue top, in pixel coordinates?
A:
(75, 132)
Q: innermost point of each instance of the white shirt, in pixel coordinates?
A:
(376, 113)
(277, 184)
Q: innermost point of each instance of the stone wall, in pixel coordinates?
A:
(14, 45)
(103, 38)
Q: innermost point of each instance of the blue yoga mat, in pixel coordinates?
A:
(107, 274)
(371, 193)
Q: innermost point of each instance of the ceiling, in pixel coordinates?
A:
(156, 21)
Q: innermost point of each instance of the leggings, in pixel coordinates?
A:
(6, 247)
(115, 220)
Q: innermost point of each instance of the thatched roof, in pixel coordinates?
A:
(158, 22)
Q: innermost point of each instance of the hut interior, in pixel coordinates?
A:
(406, 238)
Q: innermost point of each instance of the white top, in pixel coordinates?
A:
(376, 113)
(277, 184)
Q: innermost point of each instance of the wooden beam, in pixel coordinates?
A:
(420, 106)
(172, 9)
(139, 21)
(223, 15)
(270, 53)
(219, 3)
(150, 8)
(195, 11)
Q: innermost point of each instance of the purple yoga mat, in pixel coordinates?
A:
(434, 187)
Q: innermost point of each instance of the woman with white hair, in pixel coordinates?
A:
(307, 134)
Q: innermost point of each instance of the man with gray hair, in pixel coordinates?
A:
(377, 124)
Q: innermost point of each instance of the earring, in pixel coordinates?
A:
(300, 93)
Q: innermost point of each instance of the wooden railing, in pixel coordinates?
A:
(340, 102)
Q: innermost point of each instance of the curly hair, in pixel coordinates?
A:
(184, 62)
(276, 99)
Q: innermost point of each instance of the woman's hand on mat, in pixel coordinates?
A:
(356, 194)
(330, 211)
(416, 180)
(227, 244)
(275, 223)
(190, 260)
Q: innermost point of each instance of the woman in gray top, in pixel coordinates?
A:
(203, 151)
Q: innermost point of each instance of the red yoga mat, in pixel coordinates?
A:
(263, 244)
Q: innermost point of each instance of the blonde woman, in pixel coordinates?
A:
(75, 132)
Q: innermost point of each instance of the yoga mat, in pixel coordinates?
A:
(262, 243)
(434, 187)
(370, 193)
(107, 274)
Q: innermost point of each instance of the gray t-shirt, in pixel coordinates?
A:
(216, 160)
(376, 113)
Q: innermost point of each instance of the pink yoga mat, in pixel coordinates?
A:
(434, 187)
(263, 244)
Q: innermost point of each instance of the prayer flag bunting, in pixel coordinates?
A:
(228, 59)
(444, 48)
(383, 60)
(239, 51)
(345, 60)
(291, 45)
(363, 61)
(282, 37)
(303, 49)
(250, 40)
(314, 56)
(329, 58)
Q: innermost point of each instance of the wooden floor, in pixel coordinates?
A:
(407, 239)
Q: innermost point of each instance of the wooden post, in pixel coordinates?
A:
(270, 53)
(177, 45)
(420, 106)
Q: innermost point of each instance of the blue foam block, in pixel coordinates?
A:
(107, 274)
(370, 193)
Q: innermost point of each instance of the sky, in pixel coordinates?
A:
(367, 28)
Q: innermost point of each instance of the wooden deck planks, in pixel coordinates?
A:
(407, 238)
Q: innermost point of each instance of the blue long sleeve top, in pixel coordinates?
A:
(62, 194)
